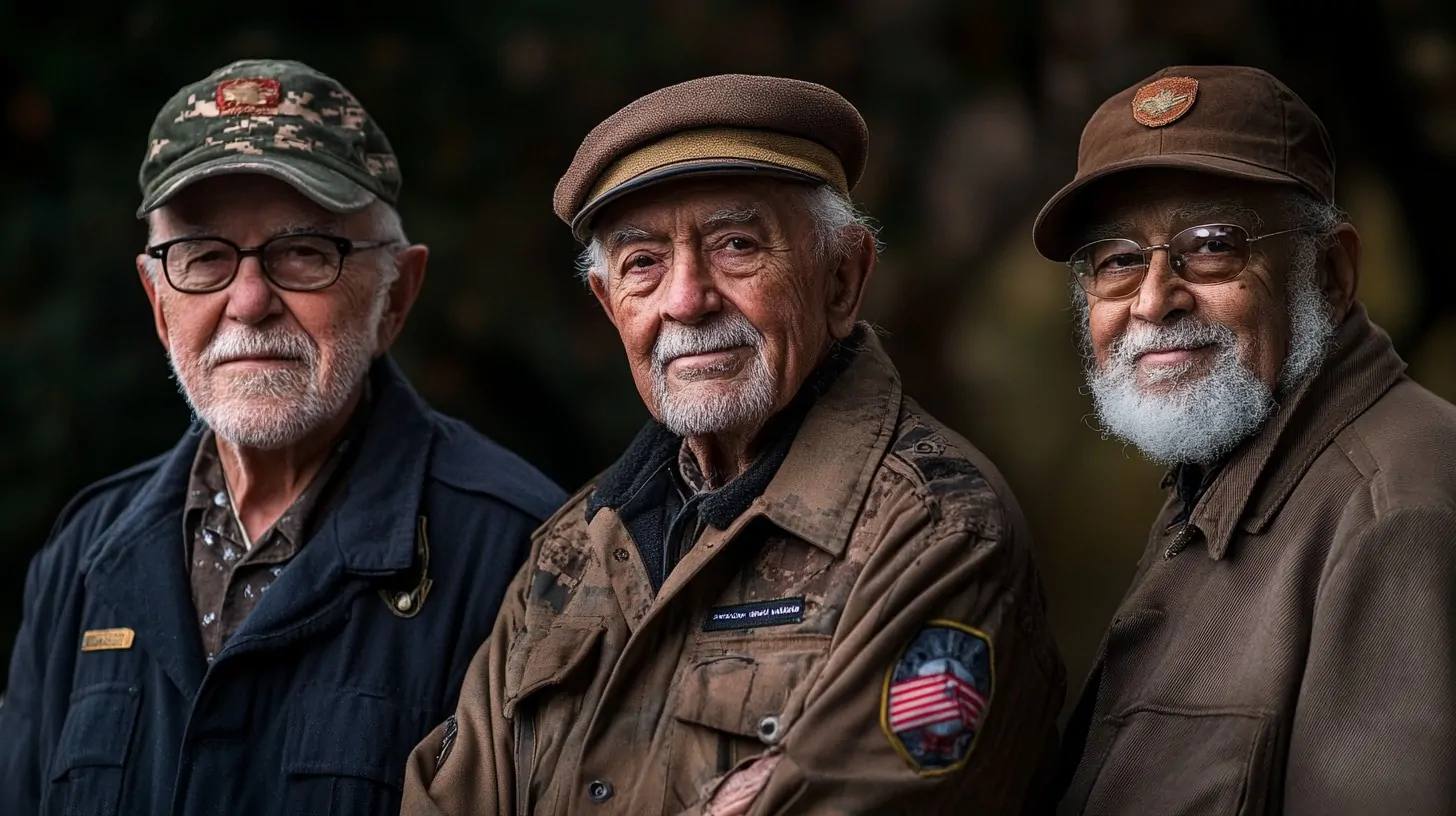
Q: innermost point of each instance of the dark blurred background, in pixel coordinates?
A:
(974, 109)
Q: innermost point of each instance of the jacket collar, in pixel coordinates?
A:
(1257, 479)
(656, 448)
(830, 453)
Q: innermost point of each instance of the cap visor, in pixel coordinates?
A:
(327, 188)
(581, 224)
(1056, 239)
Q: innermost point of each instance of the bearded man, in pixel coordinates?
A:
(1286, 644)
(795, 592)
(266, 618)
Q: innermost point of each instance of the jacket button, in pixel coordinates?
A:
(620, 555)
(403, 602)
(600, 790)
(768, 730)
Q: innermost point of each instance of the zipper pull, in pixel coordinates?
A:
(1180, 541)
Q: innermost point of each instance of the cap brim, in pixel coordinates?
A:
(327, 188)
(581, 223)
(1056, 239)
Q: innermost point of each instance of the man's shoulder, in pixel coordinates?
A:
(93, 509)
(1404, 446)
(958, 484)
(106, 498)
(468, 460)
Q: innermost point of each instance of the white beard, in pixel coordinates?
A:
(1200, 421)
(275, 408)
(688, 414)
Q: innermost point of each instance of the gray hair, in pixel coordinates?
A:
(384, 225)
(838, 230)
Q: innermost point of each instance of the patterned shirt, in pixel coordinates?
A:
(228, 576)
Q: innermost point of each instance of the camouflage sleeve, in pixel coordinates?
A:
(942, 688)
(465, 766)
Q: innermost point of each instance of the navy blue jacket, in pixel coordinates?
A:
(314, 704)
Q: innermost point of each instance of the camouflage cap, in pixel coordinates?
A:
(278, 118)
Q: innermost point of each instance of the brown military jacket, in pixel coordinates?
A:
(874, 617)
(1292, 647)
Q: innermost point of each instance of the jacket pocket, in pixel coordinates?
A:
(1172, 760)
(89, 765)
(346, 750)
(541, 719)
(737, 699)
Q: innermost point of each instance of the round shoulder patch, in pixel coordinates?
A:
(936, 694)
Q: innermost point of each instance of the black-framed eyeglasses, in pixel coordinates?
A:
(298, 262)
(1114, 268)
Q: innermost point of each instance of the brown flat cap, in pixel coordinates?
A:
(1228, 121)
(727, 124)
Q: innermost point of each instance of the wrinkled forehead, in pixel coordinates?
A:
(696, 204)
(244, 205)
(1156, 203)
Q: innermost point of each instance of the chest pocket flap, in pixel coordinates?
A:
(97, 731)
(352, 733)
(547, 660)
(748, 693)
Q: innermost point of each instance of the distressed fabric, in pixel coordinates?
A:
(598, 694)
(274, 117)
(1287, 648)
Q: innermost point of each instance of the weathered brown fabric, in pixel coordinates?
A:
(1290, 649)
(1237, 122)
(228, 577)
(882, 520)
(752, 104)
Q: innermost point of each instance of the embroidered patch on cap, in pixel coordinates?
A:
(247, 97)
(98, 640)
(753, 615)
(935, 696)
(1164, 101)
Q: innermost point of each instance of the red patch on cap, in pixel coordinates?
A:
(1164, 101)
(243, 97)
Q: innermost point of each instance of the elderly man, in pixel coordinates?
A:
(795, 592)
(267, 618)
(1286, 645)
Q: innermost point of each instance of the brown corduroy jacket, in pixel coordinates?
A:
(1291, 648)
(885, 561)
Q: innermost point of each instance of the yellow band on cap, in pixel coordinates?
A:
(729, 144)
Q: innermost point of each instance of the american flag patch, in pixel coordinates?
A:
(936, 696)
(934, 699)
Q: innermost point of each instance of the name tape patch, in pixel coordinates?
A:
(97, 640)
(776, 612)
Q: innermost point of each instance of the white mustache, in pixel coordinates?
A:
(244, 343)
(731, 330)
(1184, 334)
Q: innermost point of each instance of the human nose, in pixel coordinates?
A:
(692, 293)
(1163, 295)
(251, 298)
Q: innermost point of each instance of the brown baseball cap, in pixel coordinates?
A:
(731, 124)
(1230, 121)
